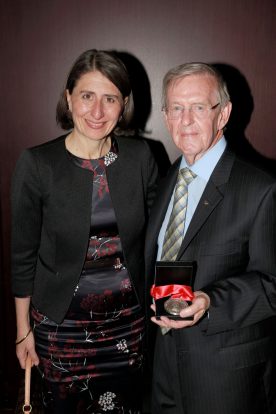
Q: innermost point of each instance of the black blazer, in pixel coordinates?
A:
(51, 212)
(232, 238)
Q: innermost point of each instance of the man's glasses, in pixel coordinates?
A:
(199, 110)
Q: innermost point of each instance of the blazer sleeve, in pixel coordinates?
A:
(152, 177)
(249, 297)
(26, 207)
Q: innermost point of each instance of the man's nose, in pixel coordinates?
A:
(187, 116)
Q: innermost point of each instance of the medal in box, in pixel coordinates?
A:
(173, 287)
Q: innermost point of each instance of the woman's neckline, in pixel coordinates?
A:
(76, 152)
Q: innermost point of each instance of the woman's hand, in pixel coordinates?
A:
(25, 348)
(25, 343)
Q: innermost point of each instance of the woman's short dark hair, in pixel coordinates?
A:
(110, 66)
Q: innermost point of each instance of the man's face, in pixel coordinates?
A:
(200, 121)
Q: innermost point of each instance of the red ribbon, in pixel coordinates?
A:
(175, 291)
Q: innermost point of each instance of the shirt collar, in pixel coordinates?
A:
(206, 164)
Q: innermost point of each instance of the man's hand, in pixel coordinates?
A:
(199, 306)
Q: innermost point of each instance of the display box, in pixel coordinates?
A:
(167, 274)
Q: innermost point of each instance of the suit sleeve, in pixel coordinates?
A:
(249, 297)
(26, 223)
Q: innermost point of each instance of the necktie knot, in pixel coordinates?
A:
(186, 175)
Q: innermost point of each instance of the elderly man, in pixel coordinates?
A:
(223, 360)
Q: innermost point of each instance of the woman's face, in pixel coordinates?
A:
(96, 105)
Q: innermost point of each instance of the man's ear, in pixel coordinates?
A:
(224, 116)
(166, 119)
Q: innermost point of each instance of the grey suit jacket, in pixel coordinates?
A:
(232, 238)
(51, 213)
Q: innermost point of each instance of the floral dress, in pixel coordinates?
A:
(92, 361)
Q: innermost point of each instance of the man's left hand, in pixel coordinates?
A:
(197, 309)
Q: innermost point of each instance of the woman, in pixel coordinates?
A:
(80, 206)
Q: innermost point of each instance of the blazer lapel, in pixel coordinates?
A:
(211, 197)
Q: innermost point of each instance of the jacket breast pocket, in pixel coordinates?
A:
(223, 248)
(216, 260)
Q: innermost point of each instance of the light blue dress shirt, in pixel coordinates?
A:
(203, 168)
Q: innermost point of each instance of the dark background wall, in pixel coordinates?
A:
(41, 38)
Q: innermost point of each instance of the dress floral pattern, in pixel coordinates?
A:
(94, 358)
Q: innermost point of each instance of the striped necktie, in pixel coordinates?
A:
(174, 232)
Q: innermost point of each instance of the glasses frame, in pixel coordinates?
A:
(183, 108)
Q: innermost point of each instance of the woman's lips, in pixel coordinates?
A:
(94, 125)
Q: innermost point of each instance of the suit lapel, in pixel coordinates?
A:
(211, 198)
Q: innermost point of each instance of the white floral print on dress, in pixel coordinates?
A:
(106, 401)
